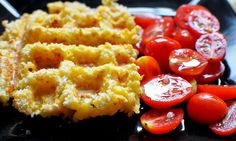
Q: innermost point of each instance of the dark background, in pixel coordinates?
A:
(16, 126)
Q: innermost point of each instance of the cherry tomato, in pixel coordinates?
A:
(166, 90)
(183, 12)
(202, 22)
(225, 92)
(187, 62)
(212, 46)
(148, 67)
(227, 126)
(160, 49)
(145, 20)
(206, 108)
(162, 27)
(161, 121)
(193, 82)
(185, 38)
(212, 72)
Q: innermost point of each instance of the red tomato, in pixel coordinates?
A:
(193, 82)
(202, 22)
(225, 92)
(187, 62)
(227, 126)
(183, 12)
(164, 91)
(160, 49)
(212, 46)
(161, 122)
(148, 67)
(206, 108)
(185, 38)
(212, 72)
(145, 20)
(162, 27)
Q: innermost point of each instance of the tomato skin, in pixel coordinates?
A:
(227, 126)
(163, 91)
(160, 49)
(183, 12)
(212, 46)
(212, 72)
(187, 62)
(225, 92)
(202, 22)
(148, 67)
(185, 38)
(161, 122)
(162, 27)
(145, 20)
(206, 108)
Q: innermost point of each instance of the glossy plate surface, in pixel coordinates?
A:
(14, 125)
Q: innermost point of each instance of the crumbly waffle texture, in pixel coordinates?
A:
(72, 61)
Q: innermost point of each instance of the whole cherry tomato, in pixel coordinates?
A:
(148, 67)
(185, 38)
(161, 27)
(206, 108)
(160, 49)
(161, 121)
(145, 20)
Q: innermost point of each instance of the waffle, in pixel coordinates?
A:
(73, 61)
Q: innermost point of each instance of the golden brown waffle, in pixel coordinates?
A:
(73, 61)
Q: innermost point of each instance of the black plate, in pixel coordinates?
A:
(16, 126)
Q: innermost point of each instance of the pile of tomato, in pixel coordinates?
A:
(181, 55)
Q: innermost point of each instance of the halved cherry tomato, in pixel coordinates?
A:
(187, 62)
(164, 91)
(148, 67)
(212, 72)
(161, 27)
(202, 22)
(225, 92)
(212, 46)
(145, 20)
(183, 12)
(206, 108)
(161, 121)
(193, 82)
(160, 49)
(227, 126)
(185, 38)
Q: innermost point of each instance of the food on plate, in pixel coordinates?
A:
(206, 108)
(73, 61)
(161, 122)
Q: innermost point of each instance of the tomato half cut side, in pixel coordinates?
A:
(227, 126)
(166, 90)
(183, 12)
(148, 67)
(202, 22)
(212, 72)
(212, 46)
(185, 38)
(206, 108)
(145, 20)
(162, 27)
(161, 121)
(160, 49)
(187, 62)
(225, 92)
